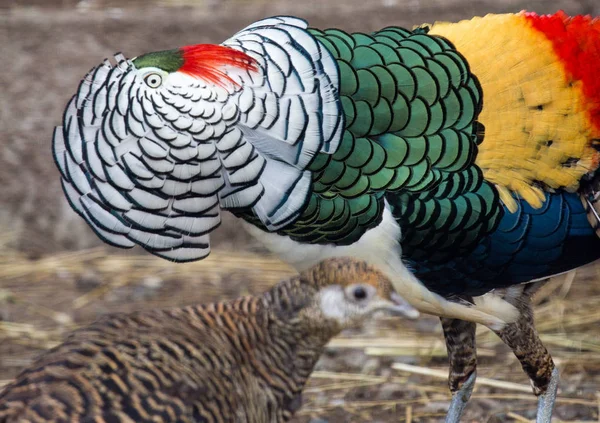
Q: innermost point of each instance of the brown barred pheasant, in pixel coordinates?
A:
(245, 360)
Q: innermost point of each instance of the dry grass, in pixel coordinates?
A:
(391, 371)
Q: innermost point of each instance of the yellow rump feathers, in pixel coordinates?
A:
(537, 134)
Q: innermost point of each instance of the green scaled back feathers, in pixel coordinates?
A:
(410, 138)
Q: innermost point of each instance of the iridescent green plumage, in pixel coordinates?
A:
(411, 136)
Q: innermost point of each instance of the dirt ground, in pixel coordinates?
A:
(50, 284)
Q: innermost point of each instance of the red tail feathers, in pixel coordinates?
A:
(576, 41)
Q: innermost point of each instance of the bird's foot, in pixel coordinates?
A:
(547, 399)
(460, 399)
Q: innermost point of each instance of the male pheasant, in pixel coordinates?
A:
(459, 158)
(245, 360)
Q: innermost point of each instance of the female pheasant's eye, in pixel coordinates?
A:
(359, 293)
(153, 80)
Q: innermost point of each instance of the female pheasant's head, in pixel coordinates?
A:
(151, 149)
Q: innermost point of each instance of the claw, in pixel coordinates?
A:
(460, 399)
(546, 400)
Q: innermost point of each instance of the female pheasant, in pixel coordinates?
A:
(240, 361)
(459, 158)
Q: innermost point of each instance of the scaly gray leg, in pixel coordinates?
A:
(535, 359)
(462, 357)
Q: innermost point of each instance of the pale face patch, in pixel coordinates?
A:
(351, 304)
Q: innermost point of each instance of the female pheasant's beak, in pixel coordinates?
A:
(400, 307)
(393, 302)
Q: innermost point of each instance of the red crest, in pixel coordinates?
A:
(206, 61)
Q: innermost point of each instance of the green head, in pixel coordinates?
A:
(202, 61)
(167, 60)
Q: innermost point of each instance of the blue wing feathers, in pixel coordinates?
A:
(527, 244)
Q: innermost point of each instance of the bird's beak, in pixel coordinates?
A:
(395, 303)
(400, 307)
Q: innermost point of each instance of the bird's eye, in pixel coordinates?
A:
(153, 80)
(359, 293)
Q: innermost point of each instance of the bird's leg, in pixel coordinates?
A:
(462, 357)
(535, 359)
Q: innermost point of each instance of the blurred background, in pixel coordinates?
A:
(56, 275)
